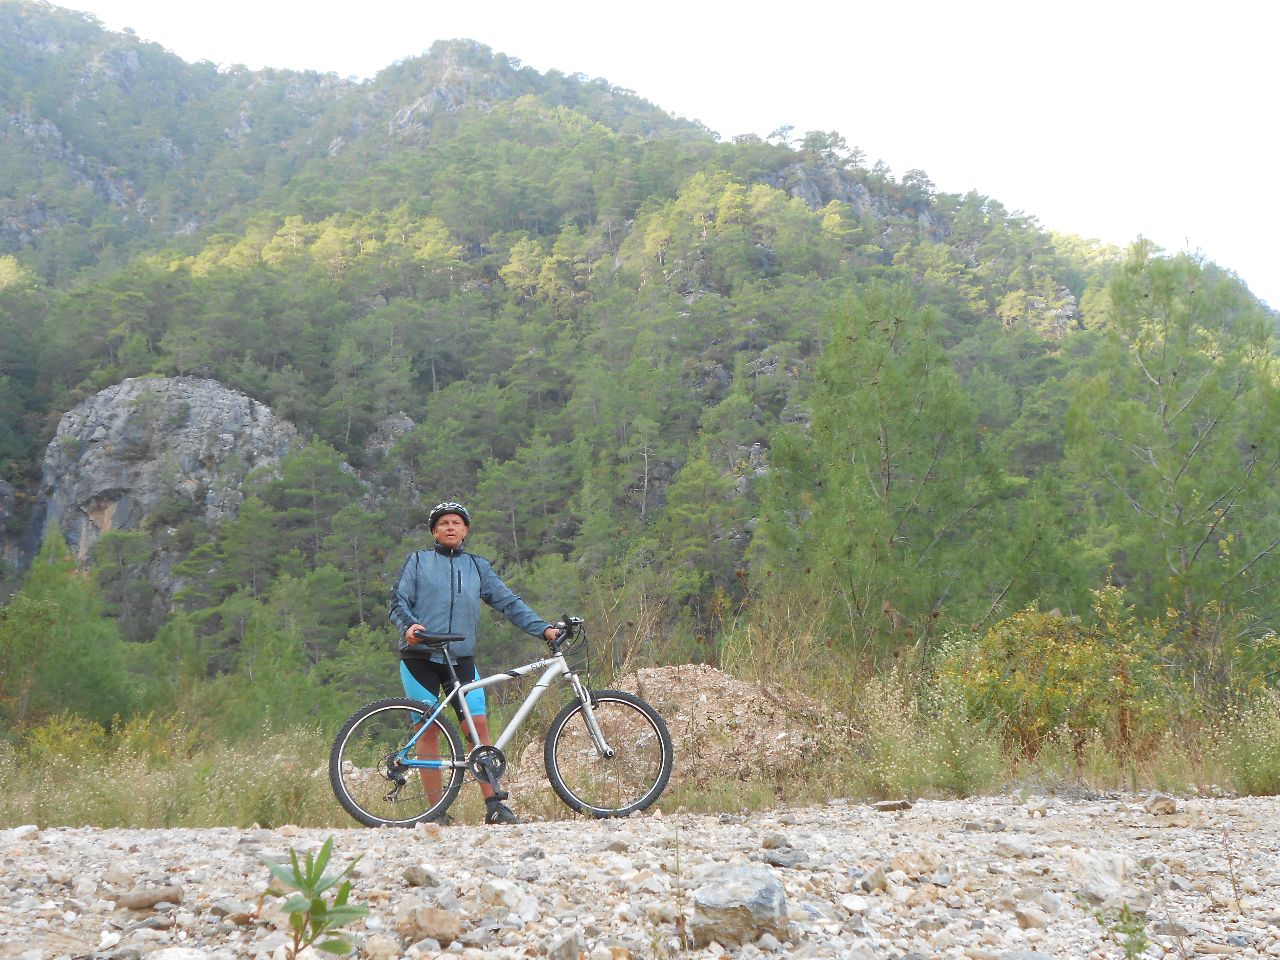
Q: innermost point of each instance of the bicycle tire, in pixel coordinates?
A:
(603, 787)
(361, 774)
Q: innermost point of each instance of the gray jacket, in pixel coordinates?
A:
(442, 589)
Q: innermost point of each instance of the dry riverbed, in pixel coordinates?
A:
(987, 879)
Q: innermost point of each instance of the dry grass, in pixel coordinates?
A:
(110, 782)
(898, 734)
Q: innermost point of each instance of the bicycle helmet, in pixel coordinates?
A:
(440, 509)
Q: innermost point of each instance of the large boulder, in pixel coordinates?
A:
(155, 448)
(739, 904)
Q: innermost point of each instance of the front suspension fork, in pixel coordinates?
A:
(588, 711)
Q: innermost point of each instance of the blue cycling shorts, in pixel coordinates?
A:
(425, 679)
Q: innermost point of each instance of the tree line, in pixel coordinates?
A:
(684, 384)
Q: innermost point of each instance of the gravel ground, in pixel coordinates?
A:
(986, 879)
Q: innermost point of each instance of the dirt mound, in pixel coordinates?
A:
(726, 729)
(723, 730)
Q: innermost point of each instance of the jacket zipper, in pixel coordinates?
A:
(452, 594)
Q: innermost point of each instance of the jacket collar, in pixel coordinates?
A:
(448, 551)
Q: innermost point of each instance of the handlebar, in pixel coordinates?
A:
(568, 627)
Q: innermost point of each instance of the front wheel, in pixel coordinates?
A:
(609, 786)
(382, 779)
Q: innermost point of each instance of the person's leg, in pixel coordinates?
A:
(417, 683)
(495, 810)
(482, 731)
(479, 708)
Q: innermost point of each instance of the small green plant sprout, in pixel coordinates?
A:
(311, 917)
(1128, 927)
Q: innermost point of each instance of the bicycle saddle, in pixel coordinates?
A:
(428, 644)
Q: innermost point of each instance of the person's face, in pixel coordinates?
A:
(450, 531)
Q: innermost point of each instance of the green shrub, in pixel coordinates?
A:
(313, 920)
(1044, 671)
(64, 736)
(889, 756)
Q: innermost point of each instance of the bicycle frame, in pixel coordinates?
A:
(555, 667)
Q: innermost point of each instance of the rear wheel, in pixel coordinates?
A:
(369, 773)
(609, 786)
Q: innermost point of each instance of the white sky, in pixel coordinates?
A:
(1107, 119)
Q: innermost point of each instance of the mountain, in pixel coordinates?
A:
(114, 144)
(671, 374)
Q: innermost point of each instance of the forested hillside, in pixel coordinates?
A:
(710, 394)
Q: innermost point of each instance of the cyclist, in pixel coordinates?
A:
(439, 591)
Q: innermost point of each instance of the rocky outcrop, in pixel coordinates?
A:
(154, 448)
(458, 73)
(7, 502)
(819, 185)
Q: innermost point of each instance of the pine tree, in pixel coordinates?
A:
(1174, 430)
(886, 510)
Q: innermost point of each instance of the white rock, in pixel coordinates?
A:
(738, 905)
(23, 834)
(854, 903)
(1015, 847)
(528, 910)
(1106, 879)
(501, 893)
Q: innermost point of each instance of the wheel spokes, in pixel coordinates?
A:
(374, 776)
(604, 783)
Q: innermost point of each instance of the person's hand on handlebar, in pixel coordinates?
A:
(551, 634)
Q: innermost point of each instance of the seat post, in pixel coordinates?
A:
(462, 709)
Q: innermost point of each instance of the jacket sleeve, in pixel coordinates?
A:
(404, 595)
(499, 596)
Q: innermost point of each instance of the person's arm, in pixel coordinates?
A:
(403, 596)
(499, 596)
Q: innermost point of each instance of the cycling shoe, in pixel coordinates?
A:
(498, 812)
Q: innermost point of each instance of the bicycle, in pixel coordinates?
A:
(607, 753)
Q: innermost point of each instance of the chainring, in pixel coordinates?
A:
(486, 761)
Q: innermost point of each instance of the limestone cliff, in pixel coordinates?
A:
(151, 446)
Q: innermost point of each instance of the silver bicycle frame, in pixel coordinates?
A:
(556, 667)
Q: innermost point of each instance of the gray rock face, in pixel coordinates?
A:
(147, 445)
(7, 503)
(456, 74)
(817, 186)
